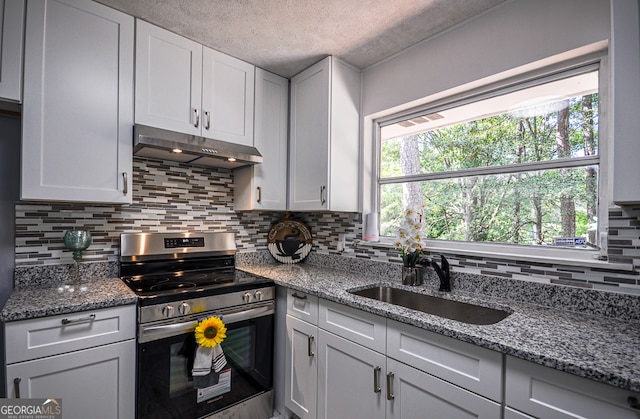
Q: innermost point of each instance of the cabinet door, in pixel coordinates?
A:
(417, 395)
(11, 27)
(625, 100)
(227, 98)
(344, 159)
(168, 80)
(349, 379)
(301, 368)
(263, 186)
(92, 383)
(77, 114)
(309, 138)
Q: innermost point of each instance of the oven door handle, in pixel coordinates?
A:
(238, 316)
(150, 333)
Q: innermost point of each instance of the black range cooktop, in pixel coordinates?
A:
(164, 287)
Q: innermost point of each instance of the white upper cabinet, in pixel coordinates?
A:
(78, 103)
(168, 80)
(263, 186)
(227, 98)
(625, 53)
(324, 138)
(186, 87)
(11, 28)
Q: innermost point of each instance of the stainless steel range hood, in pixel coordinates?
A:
(190, 149)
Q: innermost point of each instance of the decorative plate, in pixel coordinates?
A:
(289, 240)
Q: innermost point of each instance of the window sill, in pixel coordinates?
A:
(568, 257)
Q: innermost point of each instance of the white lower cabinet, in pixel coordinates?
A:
(347, 363)
(342, 366)
(539, 391)
(301, 368)
(416, 394)
(92, 383)
(349, 379)
(86, 359)
(510, 413)
(468, 366)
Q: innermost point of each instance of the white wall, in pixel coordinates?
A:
(508, 36)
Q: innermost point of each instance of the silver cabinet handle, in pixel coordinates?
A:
(309, 346)
(298, 296)
(207, 120)
(89, 318)
(376, 379)
(197, 123)
(633, 403)
(125, 183)
(259, 189)
(323, 200)
(16, 386)
(390, 395)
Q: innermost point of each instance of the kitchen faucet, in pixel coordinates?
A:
(443, 272)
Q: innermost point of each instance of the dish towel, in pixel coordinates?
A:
(206, 360)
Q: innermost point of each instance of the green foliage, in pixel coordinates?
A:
(519, 208)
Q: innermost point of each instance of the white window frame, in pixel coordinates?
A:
(564, 256)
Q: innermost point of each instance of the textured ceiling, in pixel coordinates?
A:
(287, 36)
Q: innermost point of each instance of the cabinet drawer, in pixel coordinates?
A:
(367, 329)
(36, 338)
(302, 306)
(545, 392)
(472, 367)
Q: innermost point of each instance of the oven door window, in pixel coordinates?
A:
(166, 386)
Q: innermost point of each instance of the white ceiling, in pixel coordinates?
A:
(287, 36)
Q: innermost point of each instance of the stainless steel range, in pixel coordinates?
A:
(180, 279)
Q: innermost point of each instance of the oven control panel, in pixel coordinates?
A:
(202, 304)
(176, 242)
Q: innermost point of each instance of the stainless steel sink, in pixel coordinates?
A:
(449, 309)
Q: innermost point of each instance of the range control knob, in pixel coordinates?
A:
(259, 295)
(184, 308)
(168, 311)
(246, 297)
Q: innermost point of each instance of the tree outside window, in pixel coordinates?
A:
(519, 167)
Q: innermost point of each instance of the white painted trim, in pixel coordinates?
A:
(563, 257)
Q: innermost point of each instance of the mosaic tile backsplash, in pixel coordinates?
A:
(168, 196)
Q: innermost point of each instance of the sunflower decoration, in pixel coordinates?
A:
(210, 332)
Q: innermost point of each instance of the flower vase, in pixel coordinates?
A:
(411, 276)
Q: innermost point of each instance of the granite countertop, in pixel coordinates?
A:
(40, 301)
(598, 348)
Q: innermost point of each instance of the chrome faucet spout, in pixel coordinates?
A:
(442, 272)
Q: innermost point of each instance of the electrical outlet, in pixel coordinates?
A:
(341, 243)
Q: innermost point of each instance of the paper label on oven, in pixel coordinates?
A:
(223, 386)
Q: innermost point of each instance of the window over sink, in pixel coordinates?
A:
(516, 166)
